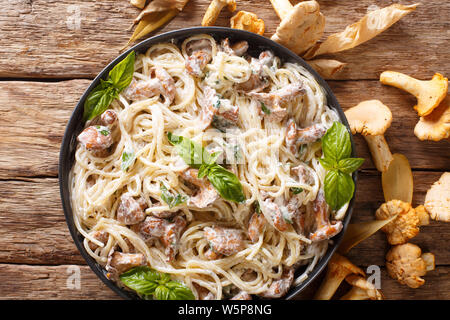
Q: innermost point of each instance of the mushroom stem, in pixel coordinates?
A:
(355, 293)
(214, 9)
(401, 81)
(339, 267)
(282, 7)
(381, 154)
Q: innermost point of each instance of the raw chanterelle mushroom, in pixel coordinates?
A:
(428, 93)
(371, 118)
(361, 289)
(436, 125)
(301, 25)
(214, 9)
(407, 264)
(339, 268)
(405, 226)
(437, 200)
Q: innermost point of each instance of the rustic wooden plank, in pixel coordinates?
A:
(55, 47)
(33, 117)
(32, 125)
(32, 224)
(33, 229)
(51, 283)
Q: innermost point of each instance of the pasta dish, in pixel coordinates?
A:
(205, 167)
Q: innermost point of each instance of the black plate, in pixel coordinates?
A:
(257, 44)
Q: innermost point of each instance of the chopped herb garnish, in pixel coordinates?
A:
(296, 190)
(264, 108)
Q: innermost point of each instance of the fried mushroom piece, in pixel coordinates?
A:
(101, 236)
(437, 199)
(97, 140)
(206, 193)
(406, 264)
(224, 241)
(324, 228)
(280, 287)
(130, 210)
(270, 102)
(119, 262)
(242, 295)
(200, 54)
(429, 93)
(295, 135)
(256, 226)
(371, 118)
(338, 269)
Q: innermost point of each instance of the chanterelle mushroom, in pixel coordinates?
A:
(405, 226)
(301, 25)
(249, 21)
(428, 93)
(407, 264)
(371, 118)
(437, 200)
(361, 290)
(339, 268)
(436, 125)
(214, 9)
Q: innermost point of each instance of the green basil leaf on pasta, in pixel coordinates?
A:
(264, 108)
(128, 159)
(162, 293)
(350, 165)
(296, 190)
(336, 144)
(122, 73)
(327, 163)
(191, 152)
(178, 291)
(143, 280)
(339, 188)
(226, 183)
(98, 101)
(169, 198)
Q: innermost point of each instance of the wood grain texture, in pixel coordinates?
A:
(33, 229)
(51, 282)
(55, 47)
(33, 116)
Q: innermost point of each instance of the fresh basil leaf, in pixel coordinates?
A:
(128, 159)
(191, 152)
(339, 188)
(97, 101)
(327, 163)
(162, 293)
(143, 280)
(226, 183)
(148, 282)
(204, 170)
(178, 291)
(296, 190)
(264, 108)
(336, 144)
(122, 73)
(169, 198)
(350, 165)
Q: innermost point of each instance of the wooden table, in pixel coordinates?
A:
(46, 64)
